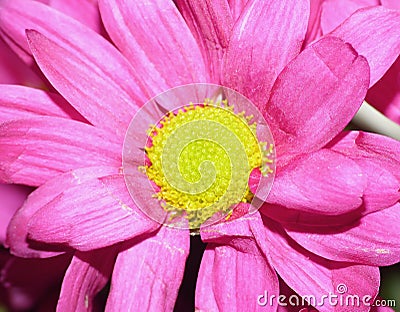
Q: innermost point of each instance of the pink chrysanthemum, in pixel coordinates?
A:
(332, 215)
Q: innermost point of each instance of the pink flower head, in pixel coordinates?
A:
(332, 215)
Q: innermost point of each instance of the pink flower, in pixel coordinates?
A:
(384, 93)
(332, 215)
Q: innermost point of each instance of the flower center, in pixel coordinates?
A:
(200, 159)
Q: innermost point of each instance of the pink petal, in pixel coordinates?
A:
(110, 94)
(293, 216)
(334, 12)
(13, 70)
(232, 245)
(314, 23)
(18, 102)
(14, 35)
(373, 240)
(12, 198)
(232, 280)
(324, 182)
(231, 230)
(308, 274)
(168, 58)
(18, 228)
(148, 274)
(86, 276)
(205, 297)
(101, 99)
(92, 215)
(37, 149)
(385, 94)
(379, 159)
(392, 4)
(265, 38)
(16, 41)
(316, 95)
(237, 7)
(211, 23)
(85, 11)
(375, 34)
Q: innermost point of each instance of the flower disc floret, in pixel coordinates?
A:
(200, 158)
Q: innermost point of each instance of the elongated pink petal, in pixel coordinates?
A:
(86, 276)
(13, 70)
(18, 229)
(85, 11)
(373, 240)
(148, 274)
(168, 58)
(211, 23)
(324, 182)
(316, 95)
(18, 102)
(237, 7)
(310, 275)
(379, 160)
(17, 45)
(235, 281)
(92, 215)
(375, 34)
(37, 149)
(205, 297)
(235, 258)
(385, 94)
(266, 37)
(335, 12)
(314, 23)
(113, 92)
(12, 198)
(100, 99)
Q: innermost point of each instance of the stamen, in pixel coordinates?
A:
(201, 157)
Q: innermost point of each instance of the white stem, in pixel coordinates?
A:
(370, 119)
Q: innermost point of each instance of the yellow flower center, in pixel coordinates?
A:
(200, 158)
